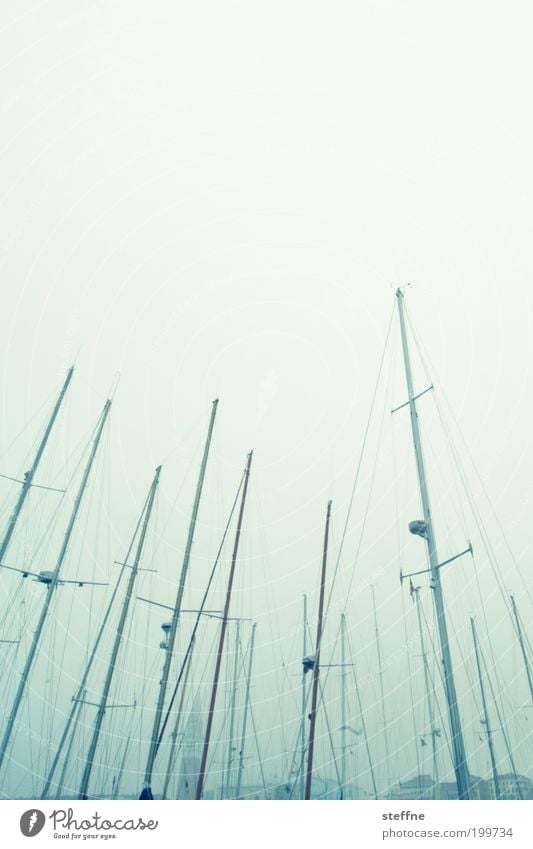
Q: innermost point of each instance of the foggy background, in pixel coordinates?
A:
(213, 201)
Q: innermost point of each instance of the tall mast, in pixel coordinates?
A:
(365, 735)
(458, 746)
(316, 665)
(486, 721)
(51, 586)
(522, 646)
(29, 475)
(381, 689)
(343, 706)
(246, 709)
(205, 751)
(118, 639)
(77, 699)
(78, 704)
(152, 752)
(427, 683)
(118, 778)
(226, 785)
(174, 735)
(304, 702)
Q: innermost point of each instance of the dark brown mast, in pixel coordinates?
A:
(201, 775)
(316, 666)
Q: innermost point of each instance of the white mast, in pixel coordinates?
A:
(51, 586)
(152, 752)
(174, 735)
(522, 646)
(316, 664)
(303, 745)
(118, 778)
(427, 681)
(77, 699)
(246, 709)
(427, 532)
(212, 703)
(381, 691)
(486, 720)
(226, 785)
(118, 639)
(29, 475)
(343, 706)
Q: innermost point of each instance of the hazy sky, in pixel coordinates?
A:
(213, 199)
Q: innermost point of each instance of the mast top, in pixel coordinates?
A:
(114, 385)
(399, 290)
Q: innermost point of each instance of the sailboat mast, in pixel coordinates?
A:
(316, 665)
(486, 720)
(118, 639)
(205, 751)
(431, 712)
(118, 778)
(365, 735)
(381, 689)
(522, 646)
(458, 746)
(29, 475)
(343, 706)
(77, 706)
(152, 752)
(51, 586)
(226, 785)
(304, 702)
(174, 735)
(79, 696)
(246, 709)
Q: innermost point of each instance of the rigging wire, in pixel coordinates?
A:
(502, 727)
(410, 674)
(352, 497)
(66, 625)
(197, 622)
(362, 718)
(505, 593)
(357, 473)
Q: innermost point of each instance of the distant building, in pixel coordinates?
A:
(321, 788)
(418, 787)
(479, 788)
(511, 787)
(423, 787)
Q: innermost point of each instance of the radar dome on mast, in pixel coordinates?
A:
(419, 528)
(45, 576)
(309, 662)
(166, 627)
